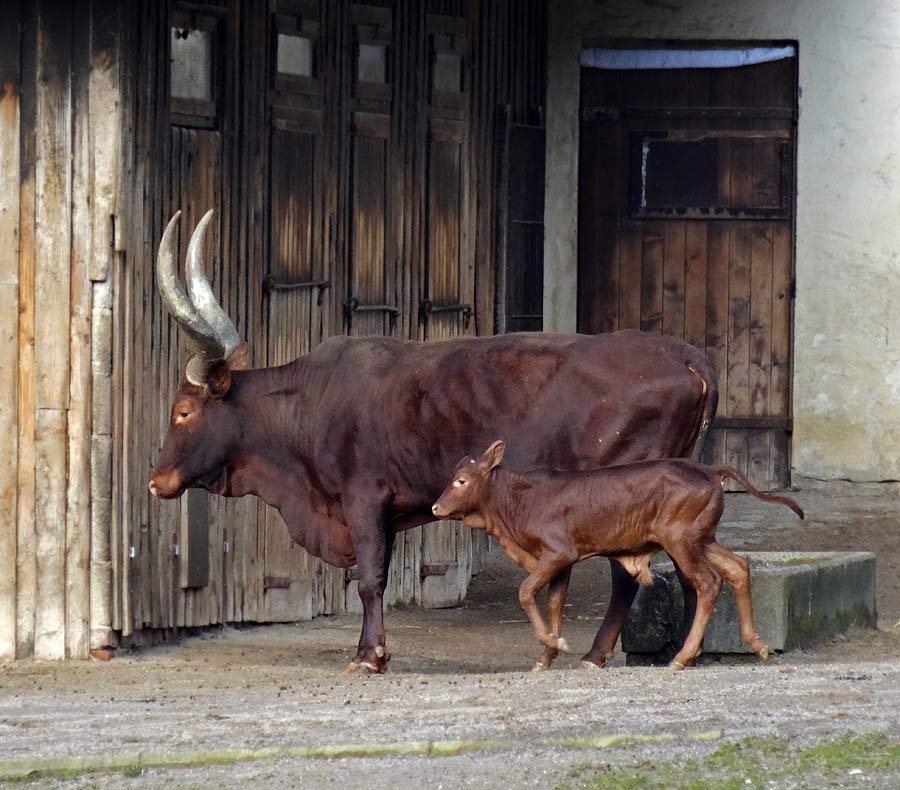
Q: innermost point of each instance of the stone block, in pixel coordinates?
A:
(798, 598)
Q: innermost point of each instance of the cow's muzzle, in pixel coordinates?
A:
(166, 485)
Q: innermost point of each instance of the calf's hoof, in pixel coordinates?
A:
(677, 666)
(562, 645)
(763, 652)
(540, 667)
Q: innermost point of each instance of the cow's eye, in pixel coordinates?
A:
(459, 483)
(182, 416)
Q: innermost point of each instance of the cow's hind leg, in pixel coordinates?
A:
(707, 582)
(624, 588)
(736, 571)
(556, 602)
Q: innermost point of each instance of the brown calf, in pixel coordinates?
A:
(547, 520)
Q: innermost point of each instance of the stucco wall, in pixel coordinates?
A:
(847, 323)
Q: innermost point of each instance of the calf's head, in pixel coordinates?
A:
(470, 485)
(203, 425)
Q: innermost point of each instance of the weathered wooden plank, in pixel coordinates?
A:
(674, 279)
(695, 284)
(78, 485)
(53, 198)
(780, 373)
(26, 578)
(652, 252)
(9, 313)
(50, 534)
(760, 347)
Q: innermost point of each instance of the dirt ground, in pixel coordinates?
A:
(216, 700)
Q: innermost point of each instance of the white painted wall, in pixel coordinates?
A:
(847, 324)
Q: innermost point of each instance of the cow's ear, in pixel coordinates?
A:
(493, 455)
(218, 379)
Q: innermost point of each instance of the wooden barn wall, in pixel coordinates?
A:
(58, 164)
(91, 168)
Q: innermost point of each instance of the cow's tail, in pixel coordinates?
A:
(729, 472)
(699, 365)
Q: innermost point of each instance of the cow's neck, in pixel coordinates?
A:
(270, 404)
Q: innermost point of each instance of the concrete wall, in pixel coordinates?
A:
(847, 325)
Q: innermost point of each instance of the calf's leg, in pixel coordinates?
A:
(556, 602)
(736, 571)
(547, 568)
(707, 582)
(624, 588)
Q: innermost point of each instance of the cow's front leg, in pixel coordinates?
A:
(373, 546)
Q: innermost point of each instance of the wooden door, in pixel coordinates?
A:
(448, 286)
(686, 217)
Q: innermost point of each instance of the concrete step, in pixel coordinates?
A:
(798, 599)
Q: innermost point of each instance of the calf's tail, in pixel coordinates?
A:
(729, 472)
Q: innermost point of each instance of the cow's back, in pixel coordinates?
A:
(561, 400)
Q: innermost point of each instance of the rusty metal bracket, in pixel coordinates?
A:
(276, 582)
(353, 305)
(272, 283)
(427, 308)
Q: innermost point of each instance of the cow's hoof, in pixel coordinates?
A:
(370, 660)
(590, 665)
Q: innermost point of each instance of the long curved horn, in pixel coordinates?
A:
(201, 292)
(173, 296)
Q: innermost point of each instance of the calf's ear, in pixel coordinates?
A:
(493, 455)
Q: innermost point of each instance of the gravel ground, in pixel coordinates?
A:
(462, 674)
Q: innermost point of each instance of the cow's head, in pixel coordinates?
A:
(470, 485)
(203, 426)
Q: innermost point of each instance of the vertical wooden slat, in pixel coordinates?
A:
(695, 284)
(52, 285)
(673, 279)
(780, 379)
(78, 489)
(652, 256)
(9, 313)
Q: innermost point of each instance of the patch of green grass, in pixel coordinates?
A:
(132, 771)
(759, 760)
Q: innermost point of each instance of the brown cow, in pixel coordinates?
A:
(352, 442)
(547, 520)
